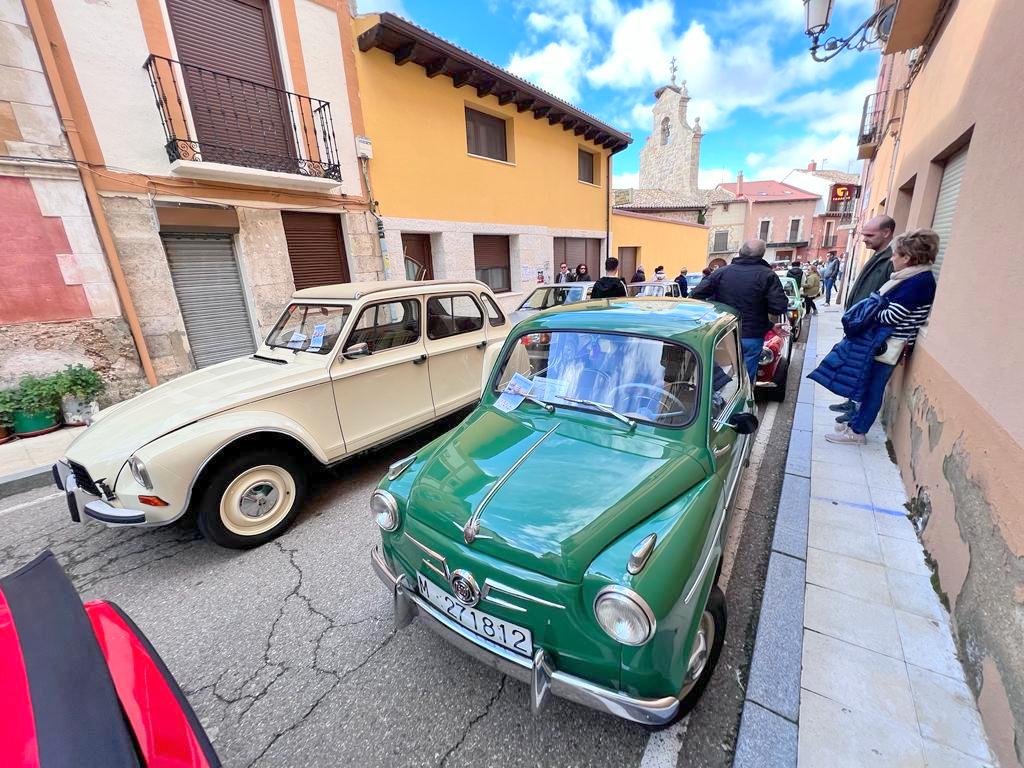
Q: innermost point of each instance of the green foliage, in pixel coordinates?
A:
(38, 394)
(8, 402)
(81, 382)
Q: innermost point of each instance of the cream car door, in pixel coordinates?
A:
(456, 341)
(381, 381)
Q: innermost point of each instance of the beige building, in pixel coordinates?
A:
(942, 142)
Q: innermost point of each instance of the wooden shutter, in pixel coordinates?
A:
(233, 41)
(210, 295)
(945, 206)
(721, 241)
(315, 248)
(592, 246)
(627, 261)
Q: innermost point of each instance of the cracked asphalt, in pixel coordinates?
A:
(287, 652)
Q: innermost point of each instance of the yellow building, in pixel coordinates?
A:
(652, 241)
(478, 173)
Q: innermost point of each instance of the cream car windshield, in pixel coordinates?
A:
(544, 298)
(641, 378)
(309, 328)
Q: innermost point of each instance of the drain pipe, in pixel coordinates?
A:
(44, 46)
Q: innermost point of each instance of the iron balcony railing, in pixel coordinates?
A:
(872, 119)
(840, 209)
(212, 117)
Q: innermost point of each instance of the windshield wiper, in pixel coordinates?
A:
(537, 401)
(602, 408)
(269, 359)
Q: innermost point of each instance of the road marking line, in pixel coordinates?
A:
(662, 749)
(746, 492)
(27, 504)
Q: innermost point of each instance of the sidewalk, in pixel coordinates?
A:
(854, 662)
(21, 457)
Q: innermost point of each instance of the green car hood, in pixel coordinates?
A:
(557, 503)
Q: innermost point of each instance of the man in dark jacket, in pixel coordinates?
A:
(796, 273)
(610, 286)
(877, 235)
(750, 286)
(684, 289)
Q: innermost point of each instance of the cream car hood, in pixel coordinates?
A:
(123, 429)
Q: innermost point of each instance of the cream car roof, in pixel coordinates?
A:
(352, 291)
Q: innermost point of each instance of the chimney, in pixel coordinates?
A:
(812, 166)
(739, 184)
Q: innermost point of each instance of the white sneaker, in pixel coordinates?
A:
(846, 436)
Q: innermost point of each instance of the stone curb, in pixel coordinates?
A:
(769, 727)
(26, 480)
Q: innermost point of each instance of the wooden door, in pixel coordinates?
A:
(316, 249)
(233, 81)
(419, 262)
(627, 261)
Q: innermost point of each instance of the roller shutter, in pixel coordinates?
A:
(316, 249)
(945, 206)
(491, 254)
(210, 296)
(579, 250)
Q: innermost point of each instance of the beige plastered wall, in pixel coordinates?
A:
(953, 413)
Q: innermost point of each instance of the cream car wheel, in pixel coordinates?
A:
(257, 500)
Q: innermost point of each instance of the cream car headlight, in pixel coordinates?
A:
(385, 510)
(624, 615)
(140, 473)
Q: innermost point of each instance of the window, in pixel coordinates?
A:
(794, 230)
(452, 315)
(485, 135)
(666, 131)
(494, 314)
(762, 231)
(388, 325)
(308, 328)
(641, 378)
(491, 254)
(725, 373)
(586, 163)
(945, 206)
(830, 238)
(721, 240)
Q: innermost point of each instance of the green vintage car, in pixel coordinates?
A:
(796, 311)
(571, 537)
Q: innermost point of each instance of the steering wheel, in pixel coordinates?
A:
(596, 375)
(651, 394)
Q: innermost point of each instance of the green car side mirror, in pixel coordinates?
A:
(744, 423)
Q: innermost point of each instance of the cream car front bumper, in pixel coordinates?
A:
(83, 502)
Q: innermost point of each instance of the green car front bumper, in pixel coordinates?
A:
(544, 680)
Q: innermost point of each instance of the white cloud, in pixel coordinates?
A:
(754, 159)
(626, 180)
(838, 151)
(708, 178)
(826, 111)
(540, 21)
(605, 13)
(557, 68)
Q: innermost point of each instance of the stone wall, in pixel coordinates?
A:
(104, 344)
(672, 165)
(263, 261)
(362, 244)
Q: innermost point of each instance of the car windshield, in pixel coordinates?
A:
(309, 328)
(641, 378)
(692, 281)
(647, 289)
(543, 298)
(787, 286)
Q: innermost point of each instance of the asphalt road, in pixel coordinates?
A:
(288, 654)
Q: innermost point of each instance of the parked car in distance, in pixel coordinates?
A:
(654, 288)
(551, 295)
(348, 367)
(572, 540)
(796, 311)
(82, 686)
(693, 280)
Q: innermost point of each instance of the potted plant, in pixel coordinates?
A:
(37, 405)
(79, 387)
(7, 403)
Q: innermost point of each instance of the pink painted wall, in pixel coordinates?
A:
(818, 250)
(780, 214)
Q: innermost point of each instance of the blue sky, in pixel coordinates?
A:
(765, 105)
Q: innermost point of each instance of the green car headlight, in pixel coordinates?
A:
(385, 510)
(624, 615)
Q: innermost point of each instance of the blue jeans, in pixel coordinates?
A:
(751, 354)
(830, 283)
(867, 409)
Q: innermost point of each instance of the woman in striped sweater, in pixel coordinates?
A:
(908, 295)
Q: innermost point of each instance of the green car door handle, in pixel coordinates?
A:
(720, 452)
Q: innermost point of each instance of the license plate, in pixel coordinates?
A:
(504, 633)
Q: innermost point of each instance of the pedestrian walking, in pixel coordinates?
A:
(681, 282)
(877, 235)
(610, 286)
(796, 273)
(564, 275)
(582, 275)
(638, 276)
(811, 289)
(749, 285)
(829, 274)
(880, 332)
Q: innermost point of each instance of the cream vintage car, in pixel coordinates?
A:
(347, 367)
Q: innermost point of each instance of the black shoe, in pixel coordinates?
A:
(844, 407)
(844, 418)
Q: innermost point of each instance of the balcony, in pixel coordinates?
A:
(911, 24)
(840, 209)
(872, 125)
(223, 128)
(829, 241)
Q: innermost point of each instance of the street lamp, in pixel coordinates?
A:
(874, 28)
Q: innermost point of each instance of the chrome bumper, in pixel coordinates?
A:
(82, 502)
(539, 673)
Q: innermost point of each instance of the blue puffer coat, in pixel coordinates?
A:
(845, 369)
